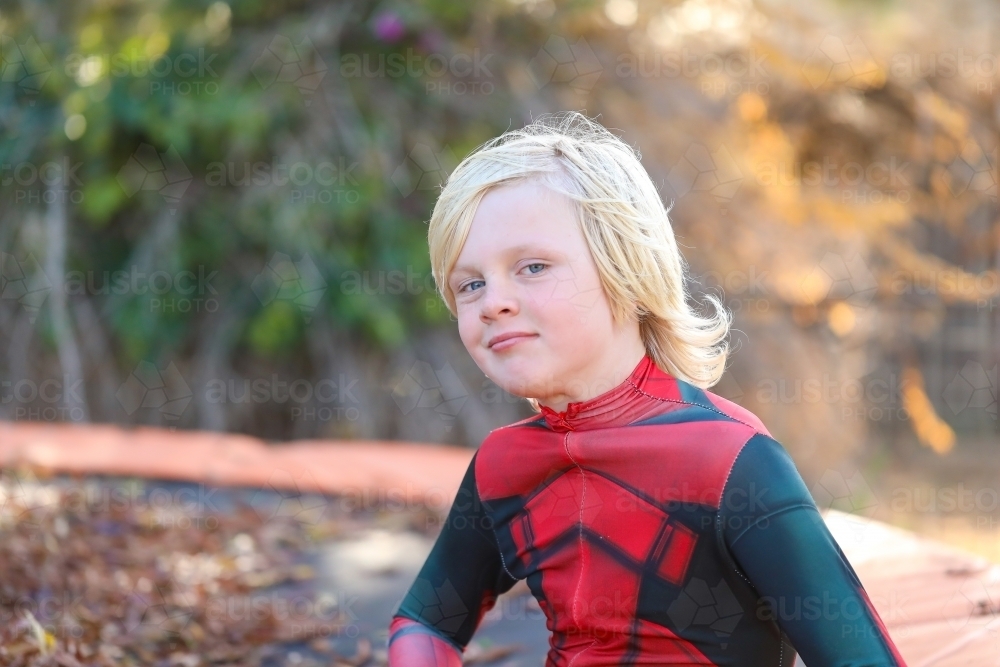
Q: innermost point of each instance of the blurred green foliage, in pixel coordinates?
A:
(180, 76)
(261, 175)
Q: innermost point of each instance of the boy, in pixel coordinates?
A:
(655, 522)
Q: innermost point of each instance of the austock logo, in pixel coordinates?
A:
(848, 279)
(836, 61)
(702, 170)
(296, 496)
(24, 282)
(164, 173)
(23, 499)
(164, 390)
(43, 182)
(850, 495)
(729, 388)
(973, 387)
(23, 65)
(157, 609)
(441, 606)
(423, 169)
(298, 282)
(974, 170)
(713, 606)
(976, 596)
(285, 61)
(558, 61)
(423, 387)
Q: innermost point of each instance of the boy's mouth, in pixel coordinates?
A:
(509, 339)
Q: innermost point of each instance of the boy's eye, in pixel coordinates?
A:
(469, 284)
(472, 282)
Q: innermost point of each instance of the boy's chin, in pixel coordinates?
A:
(518, 390)
(524, 377)
(521, 387)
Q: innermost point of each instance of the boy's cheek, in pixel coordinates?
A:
(471, 333)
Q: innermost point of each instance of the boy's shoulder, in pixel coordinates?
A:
(690, 403)
(735, 411)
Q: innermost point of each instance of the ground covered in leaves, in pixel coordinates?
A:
(125, 572)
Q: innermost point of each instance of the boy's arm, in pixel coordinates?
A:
(458, 583)
(413, 644)
(774, 531)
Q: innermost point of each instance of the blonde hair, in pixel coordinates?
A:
(623, 219)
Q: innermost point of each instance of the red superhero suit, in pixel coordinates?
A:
(656, 524)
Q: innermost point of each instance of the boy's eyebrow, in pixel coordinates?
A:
(524, 247)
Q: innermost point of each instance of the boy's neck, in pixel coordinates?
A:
(624, 366)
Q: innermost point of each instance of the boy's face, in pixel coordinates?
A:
(526, 269)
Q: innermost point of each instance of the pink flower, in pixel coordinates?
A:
(388, 27)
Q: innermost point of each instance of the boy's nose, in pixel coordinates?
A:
(499, 298)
